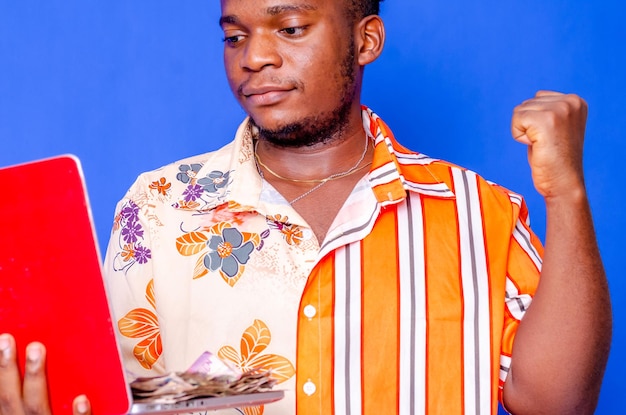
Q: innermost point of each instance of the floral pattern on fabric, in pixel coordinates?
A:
(222, 248)
(224, 213)
(292, 234)
(162, 186)
(214, 181)
(201, 192)
(254, 341)
(188, 172)
(130, 238)
(143, 324)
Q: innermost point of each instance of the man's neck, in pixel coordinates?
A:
(318, 161)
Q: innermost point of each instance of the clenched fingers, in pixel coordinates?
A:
(31, 396)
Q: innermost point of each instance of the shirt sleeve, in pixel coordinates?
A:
(128, 275)
(523, 271)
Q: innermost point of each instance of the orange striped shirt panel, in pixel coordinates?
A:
(418, 298)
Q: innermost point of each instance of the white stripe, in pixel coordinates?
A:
(516, 304)
(476, 321)
(436, 189)
(505, 366)
(523, 237)
(347, 364)
(355, 368)
(341, 312)
(353, 227)
(384, 174)
(388, 173)
(515, 198)
(414, 159)
(412, 363)
(519, 201)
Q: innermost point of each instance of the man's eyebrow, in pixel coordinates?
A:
(276, 10)
(272, 11)
(228, 19)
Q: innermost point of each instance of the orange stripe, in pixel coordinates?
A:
(312, 345)
(444, 308)
(380, 310)
(504, 257)
(525, 276)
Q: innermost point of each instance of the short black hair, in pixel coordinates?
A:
(364, 8)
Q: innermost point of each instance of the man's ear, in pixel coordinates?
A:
(370, 35)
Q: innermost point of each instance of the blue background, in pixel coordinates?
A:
(131, 85)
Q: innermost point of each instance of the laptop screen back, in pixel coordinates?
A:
(51, 287)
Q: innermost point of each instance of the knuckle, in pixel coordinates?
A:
(9, 405)
(35, 408)
(560, 110)
(10, 400)
(551, 115)
(576, 102)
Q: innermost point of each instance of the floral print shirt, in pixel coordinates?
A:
(206, 255)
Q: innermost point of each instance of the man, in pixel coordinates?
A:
(368, 278)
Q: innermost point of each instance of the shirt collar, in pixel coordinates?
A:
(394, 172)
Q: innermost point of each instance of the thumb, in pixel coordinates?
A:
(519, 129)
(521, 137)
(81, 406)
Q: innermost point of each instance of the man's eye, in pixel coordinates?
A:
(294, 31)
(233, 40)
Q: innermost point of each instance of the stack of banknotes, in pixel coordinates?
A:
(207, 377)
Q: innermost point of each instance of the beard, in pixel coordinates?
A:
(322, 127)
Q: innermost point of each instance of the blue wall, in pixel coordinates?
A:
(131, 85)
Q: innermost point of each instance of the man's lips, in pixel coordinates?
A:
(265, 95)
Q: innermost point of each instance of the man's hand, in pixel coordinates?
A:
(29, 396)
(553, 126)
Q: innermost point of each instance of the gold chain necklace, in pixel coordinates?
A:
(320, 182)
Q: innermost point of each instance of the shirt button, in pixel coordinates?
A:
(309, 388)
(310, 311)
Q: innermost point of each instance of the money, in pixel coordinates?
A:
(207, 377)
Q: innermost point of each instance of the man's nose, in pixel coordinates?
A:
(260, 51)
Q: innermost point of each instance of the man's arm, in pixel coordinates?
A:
(562, 344)
(31, 395)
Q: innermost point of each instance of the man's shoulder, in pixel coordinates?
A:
(190, 165)
(170, 181)
(413, 166)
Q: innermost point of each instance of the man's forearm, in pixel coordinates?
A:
(562, 344)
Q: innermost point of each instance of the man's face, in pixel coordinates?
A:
(291, 66)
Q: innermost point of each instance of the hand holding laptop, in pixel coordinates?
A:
(30, 395)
